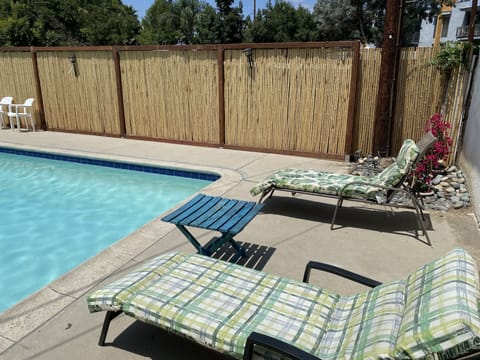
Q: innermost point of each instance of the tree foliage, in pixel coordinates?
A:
(109, 22)
(66, 22)
(364, 20)
(192, 22)
(172, 22)
(282, 22)
(230, 23)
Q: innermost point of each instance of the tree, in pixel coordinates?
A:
(160, 24)
(178, 22)
(66, 22)
(109, 22)
(37, 22)
(192, 22)
(208, 22)
(364, 20)
(230, 24)
(282, 22)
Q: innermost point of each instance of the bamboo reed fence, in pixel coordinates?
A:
(455, 107)
(79, 99)
(171, 95)
(17, 79)
(289, 99)
(418, 94)
(307, 98)
(368, 77)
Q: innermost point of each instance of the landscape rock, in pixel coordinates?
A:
(448, 188)
(437, 179)
(458, 205)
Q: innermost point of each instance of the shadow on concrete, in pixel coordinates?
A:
(352, 215)
(154, 343)
(257, 255)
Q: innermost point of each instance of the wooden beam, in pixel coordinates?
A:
(38, 90)
(118, 81)
(221, 95)
(352, 104)
(388, 68)
(471, 25)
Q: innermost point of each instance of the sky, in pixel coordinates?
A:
(142, 5)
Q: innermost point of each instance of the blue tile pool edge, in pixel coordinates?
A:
(114, 164)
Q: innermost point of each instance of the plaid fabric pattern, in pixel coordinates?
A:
(365, 326)
(113, 296)
(332, 184)
(219, 304)
(441, 313)
(432, 314)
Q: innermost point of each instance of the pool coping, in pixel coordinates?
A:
(43, 305)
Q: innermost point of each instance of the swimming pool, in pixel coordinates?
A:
(58, 211)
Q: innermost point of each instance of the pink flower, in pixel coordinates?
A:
(440, 150)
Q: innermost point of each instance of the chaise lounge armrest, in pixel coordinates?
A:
(282, 348)
(338, 271)
(276, 345)
(372, 185)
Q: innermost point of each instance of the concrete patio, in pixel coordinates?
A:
(55, 323)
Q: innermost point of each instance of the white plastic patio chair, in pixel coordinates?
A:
(24, 110)
(7, 100)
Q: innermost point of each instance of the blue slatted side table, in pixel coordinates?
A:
(228, 216)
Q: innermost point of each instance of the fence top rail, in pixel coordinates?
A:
(16, 49)
(290, 45)
(239, 46)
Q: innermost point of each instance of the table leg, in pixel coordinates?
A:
(193, 241)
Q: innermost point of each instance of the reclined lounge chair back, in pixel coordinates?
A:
(433, 313)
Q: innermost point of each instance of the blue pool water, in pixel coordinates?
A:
(54, 214)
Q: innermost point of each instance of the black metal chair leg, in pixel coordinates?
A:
(420, 216)
(339, 205)
(109, 316)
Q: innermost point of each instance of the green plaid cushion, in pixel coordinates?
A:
(441, 313)
(113, 296)
(219, 304)
(434, 313)
(365, 326)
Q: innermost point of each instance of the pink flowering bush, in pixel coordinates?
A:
(434, 159)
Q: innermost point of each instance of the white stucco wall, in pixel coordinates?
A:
(469, 159)
(457, 19)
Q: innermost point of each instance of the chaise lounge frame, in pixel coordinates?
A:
(424, 145)
(455, 269)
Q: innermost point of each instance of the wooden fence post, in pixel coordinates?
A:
(353, 100)
(221, 94)
(38, 89)
(386, 88)
(118, 81)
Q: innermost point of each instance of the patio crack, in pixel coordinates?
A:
(63, 293)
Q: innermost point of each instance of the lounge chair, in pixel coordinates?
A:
(239, 311)
(378, 189)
